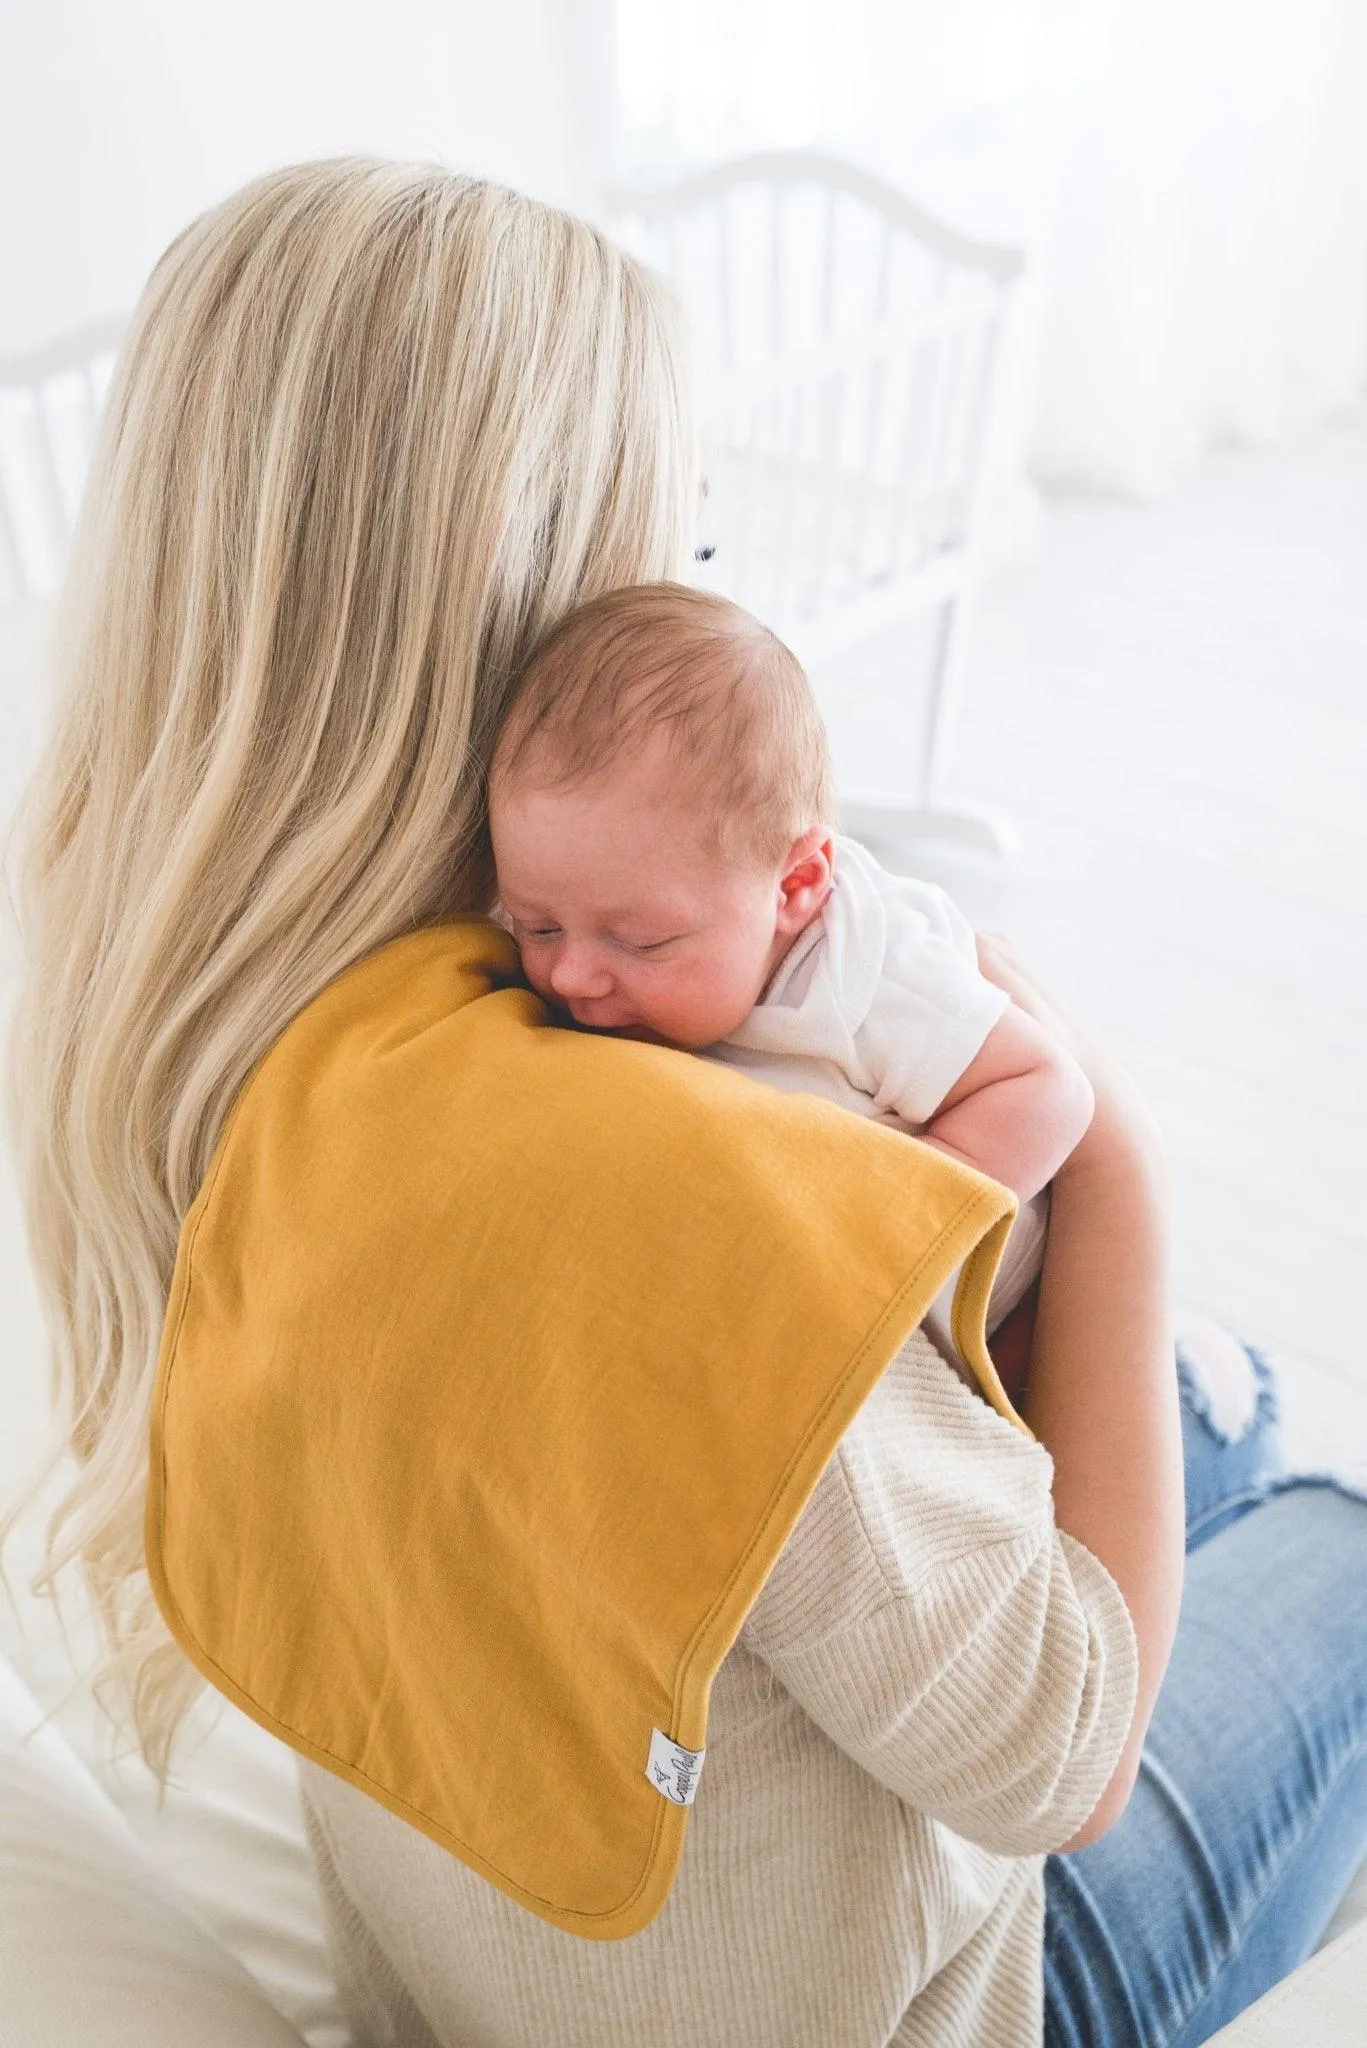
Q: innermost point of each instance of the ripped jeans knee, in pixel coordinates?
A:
(1231, 1436)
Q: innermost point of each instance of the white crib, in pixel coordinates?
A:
(49, 403)
(850, 349)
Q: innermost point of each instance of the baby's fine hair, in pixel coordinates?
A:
(734, 704)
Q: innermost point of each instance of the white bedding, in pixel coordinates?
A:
(227, 1843)
(98, 1947)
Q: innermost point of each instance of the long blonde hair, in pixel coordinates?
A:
(375, 428)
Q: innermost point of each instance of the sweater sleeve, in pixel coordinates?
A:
(930, 1618)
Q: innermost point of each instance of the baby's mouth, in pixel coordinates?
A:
(589, 1019)
(641, 1032)
(581, 1015)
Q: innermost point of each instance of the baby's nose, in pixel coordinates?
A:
(577, 975)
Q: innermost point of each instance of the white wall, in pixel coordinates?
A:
(120, 119)
(1189, 183)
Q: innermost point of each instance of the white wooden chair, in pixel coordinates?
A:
(50, 400)
(849, 347)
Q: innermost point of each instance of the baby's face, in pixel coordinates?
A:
(624, 915)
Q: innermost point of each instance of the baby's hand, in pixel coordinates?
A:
(1010, 1344)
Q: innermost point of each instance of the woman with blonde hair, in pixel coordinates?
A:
(374, 431)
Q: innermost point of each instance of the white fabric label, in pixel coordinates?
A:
(673, 1770)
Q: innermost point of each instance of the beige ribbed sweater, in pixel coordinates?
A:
(931, 1690)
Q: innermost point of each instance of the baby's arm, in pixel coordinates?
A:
(1018, 1109)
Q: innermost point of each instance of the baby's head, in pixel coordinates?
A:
(661, 808)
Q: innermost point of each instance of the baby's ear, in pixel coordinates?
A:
(808, 872)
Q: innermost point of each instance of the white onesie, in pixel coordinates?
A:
(880, 1007)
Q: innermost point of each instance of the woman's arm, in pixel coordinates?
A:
(1102, 1395)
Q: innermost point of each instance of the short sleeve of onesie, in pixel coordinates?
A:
(932, 1009)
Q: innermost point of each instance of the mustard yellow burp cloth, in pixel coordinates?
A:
(498, 1364)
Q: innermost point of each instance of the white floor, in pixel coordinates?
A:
(1171, 703)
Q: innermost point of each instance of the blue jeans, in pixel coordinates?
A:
(1250, 1813)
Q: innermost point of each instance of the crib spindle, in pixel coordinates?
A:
(777, 333)
(826, 293)
(12, 575)
(728, 312)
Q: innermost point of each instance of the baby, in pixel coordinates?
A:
(660, 803)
